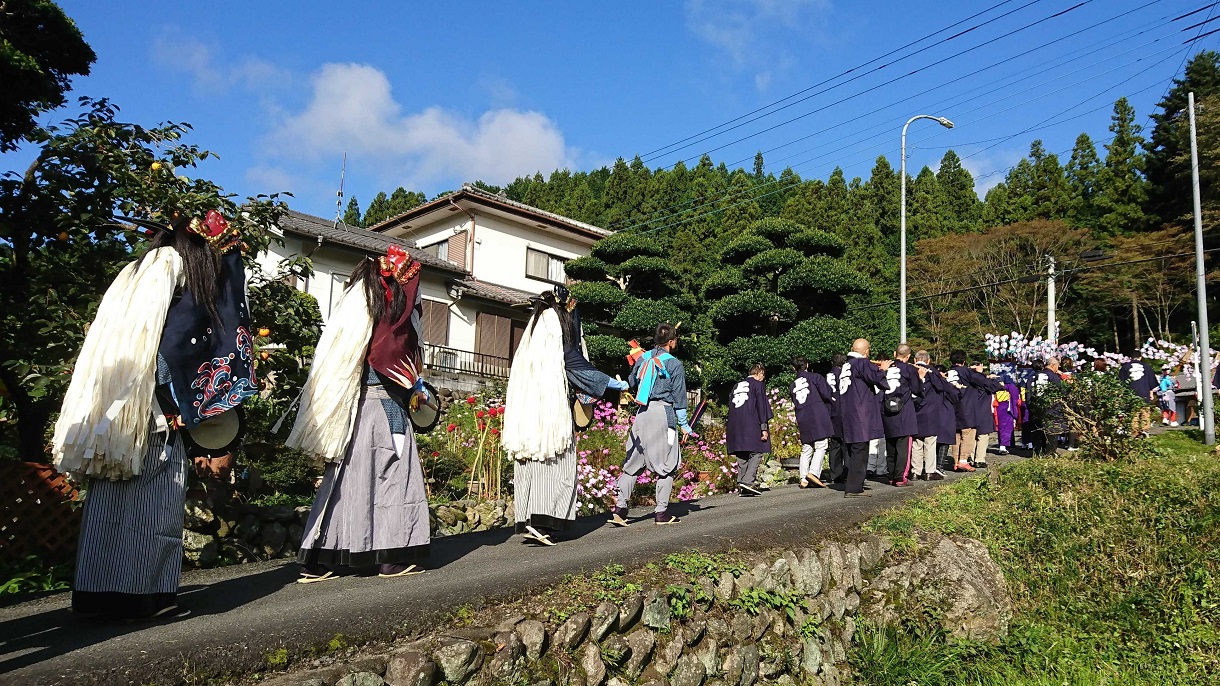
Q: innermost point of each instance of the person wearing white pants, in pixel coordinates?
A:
(811, 400)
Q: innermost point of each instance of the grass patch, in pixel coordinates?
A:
(1113, 568)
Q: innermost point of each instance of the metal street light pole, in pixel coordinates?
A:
(902, 231)
(1052, 326)
(1205, 390)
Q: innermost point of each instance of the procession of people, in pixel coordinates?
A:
(136, 416)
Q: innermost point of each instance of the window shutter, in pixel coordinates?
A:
(436, 322)
(457, 249)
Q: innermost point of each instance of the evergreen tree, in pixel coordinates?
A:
(882, 202)
(995, 211)
(1050, 191)
(378, 211)
(402, 201)
(740, 208)
(1081, 172)
(1022, 187)
(957, 205)
(923, 221)
(351, 217)
(1169, 185)
(1121, 188)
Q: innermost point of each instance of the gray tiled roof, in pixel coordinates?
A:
(490, 291)
(476, 194)
(310, 226)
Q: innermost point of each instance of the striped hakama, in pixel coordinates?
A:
(544, 492)
(372, 507)
(129, 559)
(651, 445)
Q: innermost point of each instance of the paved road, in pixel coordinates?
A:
(240, 613)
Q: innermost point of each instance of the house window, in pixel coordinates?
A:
(544, 267)
(438, 250)
(493, 335)
(436, 322)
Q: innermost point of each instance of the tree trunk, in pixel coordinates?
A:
(1135, 322)
(1114, 323)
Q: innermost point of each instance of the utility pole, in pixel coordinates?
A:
(1205, 352)
(1052, 326)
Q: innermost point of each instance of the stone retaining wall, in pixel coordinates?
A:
(222, 530)
(788, 621)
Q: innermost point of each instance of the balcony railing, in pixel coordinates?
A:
(445, 359)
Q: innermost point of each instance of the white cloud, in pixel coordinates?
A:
(353, 110)
(743, 29)
(194, 57)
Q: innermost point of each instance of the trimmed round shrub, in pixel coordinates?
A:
(622, 246)
(598, 300)
(768, 263)
(639, 317)
(724, 282)
(815, 242)
(586, 269)
(776, 230)
(744, 247)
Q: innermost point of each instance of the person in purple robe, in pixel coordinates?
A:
(898, 417)
(859, 412)
(811, 400)
(1141, 379)
(946, 422)
(746, 434)
(975, 422)
(929, 405)
(835, 452)
(1007, 414)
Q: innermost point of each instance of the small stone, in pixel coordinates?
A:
(510, 623)
(742, 627)
(851, 567)
(248, 528)
(197, 517)
(632, 610)
(506, 663)
(458, 660)
(871, 551)
(838, 602)
(656, 612)
(784, 680)
(591, 663)
(279, 513)
(742, 583)
(718, 629)
(361, 679)
(808, 573)
(641, 642)
(694, 631)
(447, 515)
(849, 629)
(411, 668)
(616, 651)
(811, 657)
(749, 664)
(731, 667)
(271, 540)
(472, 518)
(707, 654)
(724, 587)
(688, 672)
(533, 635)
(569, 634)
(761, 623)
(667, 656)
(605, 620)
(201, 550)
(832, 560)
(851, 602)
(376, 664)
(781, 574)
(762, 577)
(224, 528)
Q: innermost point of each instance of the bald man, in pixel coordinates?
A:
(859, 381)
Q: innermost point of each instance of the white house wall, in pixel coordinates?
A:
(500, 246)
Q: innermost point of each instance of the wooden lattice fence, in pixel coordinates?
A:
(36, 515)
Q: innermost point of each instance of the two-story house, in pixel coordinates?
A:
(483, 256)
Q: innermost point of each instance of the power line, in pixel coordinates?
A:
(1014, 280)
(836, 76)
(947, 83)
(859, 76)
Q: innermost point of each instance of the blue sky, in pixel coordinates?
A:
(430, 95)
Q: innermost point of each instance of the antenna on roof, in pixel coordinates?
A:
(339, 199)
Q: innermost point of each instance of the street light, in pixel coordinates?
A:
(902, 269)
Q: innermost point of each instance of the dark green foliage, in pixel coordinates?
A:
(351, 216)
(770, 264)
(814, 242)
(620, 247)
(750, 311)
(1167, 163)
(1100, 409)
(640, 316)
(607, 352)
(41, 49)
(645, 274)
(587, 268)
(1122, 190)
(778, 231)
(724, 282)
(819, 338)
(599, 300)
(818, 277)
(743, 248)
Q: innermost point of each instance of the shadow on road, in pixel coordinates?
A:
(34, 638)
